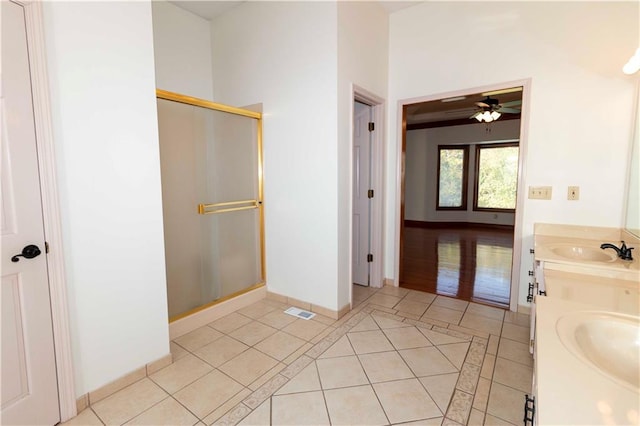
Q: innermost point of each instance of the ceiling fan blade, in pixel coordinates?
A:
(509, 110)
(476, 114)
(512, 103)
(482, 105)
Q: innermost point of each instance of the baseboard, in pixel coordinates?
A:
(336, 315)
(201, 318)
(459, 225)
(110, 388)
(524, 309)
(388, 282)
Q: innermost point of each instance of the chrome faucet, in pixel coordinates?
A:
(623, 252)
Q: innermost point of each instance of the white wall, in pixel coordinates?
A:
(580, 106)
(182, 44)
(363, 34)
(421, 171)
(100, 60)
(284, 55)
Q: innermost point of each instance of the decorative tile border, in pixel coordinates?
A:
(265, 391)
(462, 401)
(468, 402)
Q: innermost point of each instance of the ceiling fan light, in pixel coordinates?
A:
(486, 117)
(495, 115)
(478, 116)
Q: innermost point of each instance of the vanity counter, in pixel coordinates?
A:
(568, 390)
(612, 294)
(544, 246)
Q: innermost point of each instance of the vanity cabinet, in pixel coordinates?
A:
(567, 276)
(537, 288)
(569, 389)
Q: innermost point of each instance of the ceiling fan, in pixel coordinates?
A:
(490, 109)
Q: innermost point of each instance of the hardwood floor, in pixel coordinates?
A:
(470, 263)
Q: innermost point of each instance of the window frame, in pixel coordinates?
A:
(465, 177)
(476, 177)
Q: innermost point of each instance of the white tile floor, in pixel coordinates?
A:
(400, 357)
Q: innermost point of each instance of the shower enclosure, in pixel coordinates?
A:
(211, 165)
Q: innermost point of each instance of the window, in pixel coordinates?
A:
(452, 177)
(496, 177)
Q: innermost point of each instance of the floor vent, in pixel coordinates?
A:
(306, 315)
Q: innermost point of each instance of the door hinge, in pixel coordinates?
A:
(370, 193)
(46, 247)
(372, 126)
(529, 409)
(370, 257)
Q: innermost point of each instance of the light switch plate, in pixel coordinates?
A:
(573, 193)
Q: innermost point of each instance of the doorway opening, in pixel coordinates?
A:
(459, 210)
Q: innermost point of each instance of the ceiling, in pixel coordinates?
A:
(457, 110)
(419, 115)
(210, 9)
(207, 9)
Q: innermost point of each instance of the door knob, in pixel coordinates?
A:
(29, 252)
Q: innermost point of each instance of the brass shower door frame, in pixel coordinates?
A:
(229, 206)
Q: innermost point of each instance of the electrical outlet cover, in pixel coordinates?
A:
(540, 192)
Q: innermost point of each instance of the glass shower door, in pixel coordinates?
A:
(212, 201)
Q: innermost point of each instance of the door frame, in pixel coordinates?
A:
(50, 207)
(520, 194)
(377, 105)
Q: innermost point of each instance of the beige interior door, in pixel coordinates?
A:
(361, 201)
(29, 386)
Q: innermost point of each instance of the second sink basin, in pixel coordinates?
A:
(583, 253)
(608, 341)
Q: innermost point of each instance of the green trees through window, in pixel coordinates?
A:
(495, 177)
(452, 177)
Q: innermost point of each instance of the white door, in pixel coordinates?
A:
(29, 383)
(362, 138)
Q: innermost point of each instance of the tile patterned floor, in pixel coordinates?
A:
(399, 357)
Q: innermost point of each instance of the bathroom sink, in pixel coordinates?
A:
(608, 341)
(583, 253)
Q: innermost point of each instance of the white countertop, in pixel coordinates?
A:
(610, 294)
(618, 268)
(569, 391)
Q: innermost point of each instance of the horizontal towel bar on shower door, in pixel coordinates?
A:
(206, 208)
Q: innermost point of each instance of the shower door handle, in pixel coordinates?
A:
(230, 206)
